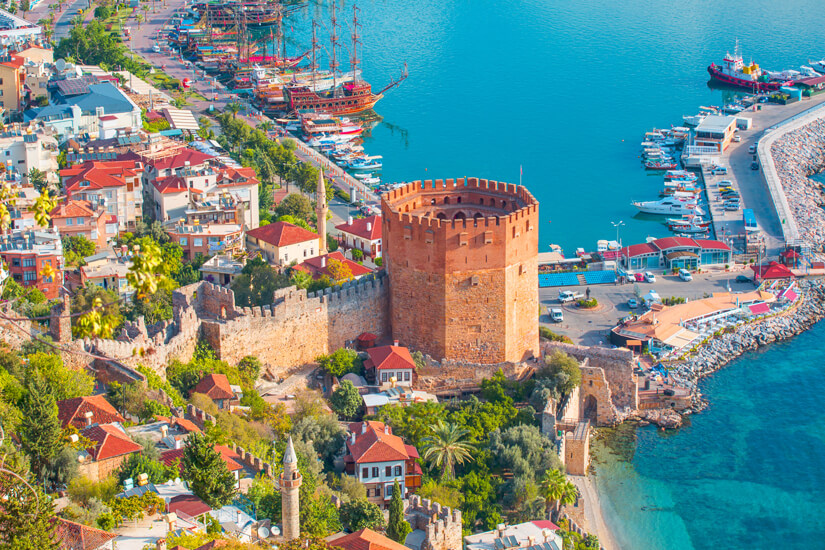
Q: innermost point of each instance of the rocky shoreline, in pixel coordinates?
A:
(721, 350)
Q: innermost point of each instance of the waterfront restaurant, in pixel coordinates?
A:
(664, 329)
(676, 253)
(715, 131)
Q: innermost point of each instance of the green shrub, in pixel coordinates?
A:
(343, 195)
(548, 334)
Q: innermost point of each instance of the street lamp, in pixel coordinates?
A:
(617, 225)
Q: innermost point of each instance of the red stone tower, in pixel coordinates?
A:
(462, 259)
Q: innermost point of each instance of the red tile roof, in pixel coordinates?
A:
(73, 411)
(215, 386)
(366, 539)
(773, 270)
(319, 265)
(389, 357)
(188, 505)
(228, 176)
(14, 61)
(710, 244)
(639, 250)
(100, 174)
(170, 184)
(282, 234)
(546, 524)
(76, 536)
(179, 160)
(358, 227)
(230, 457)
(110, 442)
(72, 209)
(376, 444)
(674, 242)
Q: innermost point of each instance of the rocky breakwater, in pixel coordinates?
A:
(719, 351)
(797, 155)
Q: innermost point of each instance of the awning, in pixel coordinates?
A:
(789, 294)
(681, 339)
(681, 254)
(760, 309)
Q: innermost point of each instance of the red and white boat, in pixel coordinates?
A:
(734, 72)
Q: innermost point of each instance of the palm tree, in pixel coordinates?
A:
(266, 126)
(557, 490)
(233, 108)
(446, 447)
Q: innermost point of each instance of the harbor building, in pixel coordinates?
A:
(675, 253)
(715, 131)
(462, 257)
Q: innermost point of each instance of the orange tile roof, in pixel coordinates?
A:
(189, 505)
(100, 174)
(228, 176)
(111, 442)
(170, 184)
(72, 209)
(282, 234)
(76, 536)
(215, 386)
(366, 539)
(319, 265)
(358, 227)
(230, 457)
(376, 444)
(73, 411)
(389, 357)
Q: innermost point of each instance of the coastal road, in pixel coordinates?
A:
(64, 23)
(751, 183)
(592, 327)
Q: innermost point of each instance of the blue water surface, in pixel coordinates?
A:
(563, 89)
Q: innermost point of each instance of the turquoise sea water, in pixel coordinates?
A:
(745, 473)
(566, 90)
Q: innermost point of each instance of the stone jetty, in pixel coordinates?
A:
(798, 155)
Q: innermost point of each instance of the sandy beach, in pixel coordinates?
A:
(593, 512)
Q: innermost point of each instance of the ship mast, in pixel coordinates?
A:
(333, 62)
(314, 64)
(354, 60)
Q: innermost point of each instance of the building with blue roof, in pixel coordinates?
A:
(102, 111)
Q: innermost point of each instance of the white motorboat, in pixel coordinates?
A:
(818, 66)
(694, 120)
(669, 206)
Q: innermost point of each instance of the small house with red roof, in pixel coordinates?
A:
(365, 539)
(390, 365)
(283, 243)
(319, 266)
(114, 184)
(82, 412)
(217, 388)
(791, 258)
(675, 253)
(71, 535)
(78, 218)
(362, 234)
(378, 459)
(773, 270)
(111, 447)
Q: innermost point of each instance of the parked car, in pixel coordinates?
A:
(632, 303)
(754, 166)
(685, 275)
(743, 279)
(639, 277)
(556, 315)
(719, 171)
(737, 138)
(752, 149)
(569, 296)
(724, 183)
(650, 277)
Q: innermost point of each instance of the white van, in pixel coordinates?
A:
(685, 275)
(556, 315)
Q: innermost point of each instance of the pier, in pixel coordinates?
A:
(760, 189)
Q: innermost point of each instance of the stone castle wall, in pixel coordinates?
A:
(463, 259)
(441, 524)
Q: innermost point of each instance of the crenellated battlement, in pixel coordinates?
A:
(441, 524)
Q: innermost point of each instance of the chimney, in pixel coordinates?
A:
(500, 528)
(164, 430)
(352, 439)
(160, 544)
(178, 443)
(369, 226)
(239, 518)
(386, 429)
(531, 540)
(363, 428)
(88, 415)
(395, 343)
(546, 533)
(349, 220)
(186, 164)
(323, 261)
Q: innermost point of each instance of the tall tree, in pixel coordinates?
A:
(339, 272)
(207, 473)
(362, 514)
(447, 447)
(40, 433)
(397, 527)
(346, 400)
(26, 516)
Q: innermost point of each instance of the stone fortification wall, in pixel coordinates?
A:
(617, 365)
(445, 375)
(595, 392)
(462, 258)
(441, 524)
(15, 333)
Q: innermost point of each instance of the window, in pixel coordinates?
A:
(69, 221)
(388, 471)
(375, 471)
(28, 262)
(29, 276)
(197, 241)
(397, 471)
(383, 376)
(184, 241)
(47, 279)
(83, 183)
(365, 473)
(16, 262)
(109, 194)
(406, 376)
(388, 491)
(81, 221)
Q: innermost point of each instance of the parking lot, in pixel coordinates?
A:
(590, 327)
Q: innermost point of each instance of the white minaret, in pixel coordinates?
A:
(321, 212)
(290, 482)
